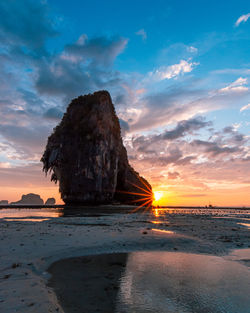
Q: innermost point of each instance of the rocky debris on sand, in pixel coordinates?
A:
(50, 201)
(85, 153)
(30, 199)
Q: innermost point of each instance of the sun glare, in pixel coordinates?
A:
(157, 195)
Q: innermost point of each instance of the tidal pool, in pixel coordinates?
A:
(157, 282)
(173, 282)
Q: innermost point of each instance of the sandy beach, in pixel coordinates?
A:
(30, 249)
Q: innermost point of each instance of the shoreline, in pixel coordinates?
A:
(124, 207)
(30, 248)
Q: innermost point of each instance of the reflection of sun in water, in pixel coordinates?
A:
(157, 195)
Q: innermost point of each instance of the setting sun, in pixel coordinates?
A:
(157, 195)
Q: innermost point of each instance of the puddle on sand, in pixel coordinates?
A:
(29, 215)
(26, 219)
(170, 282)
(153, 282)
(163, 231)
(245, 224)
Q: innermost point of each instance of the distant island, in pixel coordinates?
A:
(30, 199)
(3, 202)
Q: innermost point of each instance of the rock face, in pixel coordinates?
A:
(86, 155)
(30, 198)
(50, 201)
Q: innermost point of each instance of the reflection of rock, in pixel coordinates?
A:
(30, 198)
(4, 202)
(86, 155)
(50, 201)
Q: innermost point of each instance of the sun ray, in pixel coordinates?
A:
(132, 193)
(147, 207)
(147, 187)
(146, 198)
(140, 206)
(144, 183)
(146, 191)
(142, 199)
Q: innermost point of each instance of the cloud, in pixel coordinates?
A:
(81, 68)
(36, 84)
(170, 103)
(175, 103)
(184, 127)
(242, 18)
(152, 143)
(142, 33)
(236, 137)
(236, 86)
(214, 148)
(245, 107)
(25, 23)
(228, 129)
(26, 140)
(124, 126)
(193, 195)
(173, 175)
(172, 71)
(192, 49)
(28, 175)
(172, 157)
(98, 51)
(53, 113)
(5, 165)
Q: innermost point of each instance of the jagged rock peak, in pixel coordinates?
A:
(86, 155)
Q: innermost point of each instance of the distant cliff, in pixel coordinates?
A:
(30, 198)
(50, 201)
(86, 155)
(2, 202)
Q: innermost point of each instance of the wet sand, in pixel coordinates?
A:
(29, 248)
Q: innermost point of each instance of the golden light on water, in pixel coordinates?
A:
(163, 231)
(156, 212)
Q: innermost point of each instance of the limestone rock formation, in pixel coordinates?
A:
(50, 201)
(30, 198)
(86, 155)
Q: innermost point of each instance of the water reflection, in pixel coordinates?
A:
(245, 224)
(163, 231)
(26, 219)
(153, 282)
(166, 282)
(220, 212)
(30, 215)
(161, 214)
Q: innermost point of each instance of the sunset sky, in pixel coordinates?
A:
(178, 73)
